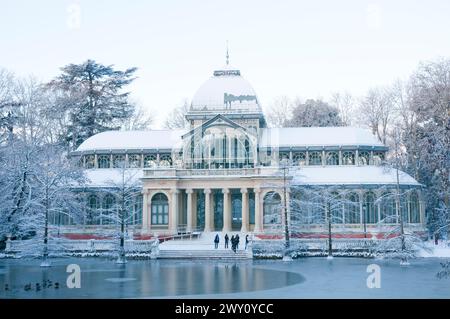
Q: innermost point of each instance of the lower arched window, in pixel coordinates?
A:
(388, 212)
(136, 214)
(160, 210)
(351, 209)
(108, 216)
(370, 209)
(414, 208)
(93, 205)
(336, 208)
(272, 208)
(404, 206)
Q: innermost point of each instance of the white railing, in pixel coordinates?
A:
(317, 244)
(173, 172)
(89, 245)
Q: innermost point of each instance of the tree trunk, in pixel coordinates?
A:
(330, 244)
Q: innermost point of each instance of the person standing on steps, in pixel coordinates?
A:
(246, 241)
(233, 243)
(216, 241)
(226, 240)
(237, 241)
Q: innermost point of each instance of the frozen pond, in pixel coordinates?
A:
(302, 278)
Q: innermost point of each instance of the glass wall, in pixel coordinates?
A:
(220, 147)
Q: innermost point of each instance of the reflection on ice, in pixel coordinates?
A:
(301, 278)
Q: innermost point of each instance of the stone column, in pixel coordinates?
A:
(207, 192)
(258, 212)
(245, 212)
(173, 220)
(189, 209)
(194, 209)
(212, 205)
(226, 210)
(145, 212)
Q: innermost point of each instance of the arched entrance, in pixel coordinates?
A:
(236, 210)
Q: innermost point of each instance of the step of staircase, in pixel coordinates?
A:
(204, 254)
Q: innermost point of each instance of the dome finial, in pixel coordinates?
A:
(228, 56)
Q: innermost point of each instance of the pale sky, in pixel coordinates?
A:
(308, 49)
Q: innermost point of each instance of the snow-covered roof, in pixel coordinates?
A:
(111, 177)
(128, 140)
(350, 175)
(308, 175)
(317, 136)
(226, 90)
(270, 137)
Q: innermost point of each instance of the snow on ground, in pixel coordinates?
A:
(441, 251)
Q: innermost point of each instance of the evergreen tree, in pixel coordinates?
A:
(91, 96)
(314, 113)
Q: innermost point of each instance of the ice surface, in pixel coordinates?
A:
(301, 278)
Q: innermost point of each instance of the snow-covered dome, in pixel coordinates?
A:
(226, 90)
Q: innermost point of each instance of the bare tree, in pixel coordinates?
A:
(376, 110)
(8, 105)
(125, 191)
(54, 177)
(323, 205)
(176, 118)
(139, 119)
(345, 103)
(279, 112)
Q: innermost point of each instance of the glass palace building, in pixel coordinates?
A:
(228, 171)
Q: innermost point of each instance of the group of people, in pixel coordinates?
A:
(234, 241)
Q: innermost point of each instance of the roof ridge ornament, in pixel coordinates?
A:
(227, 70)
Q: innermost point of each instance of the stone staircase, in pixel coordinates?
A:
(204, 254)
(203, 248)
